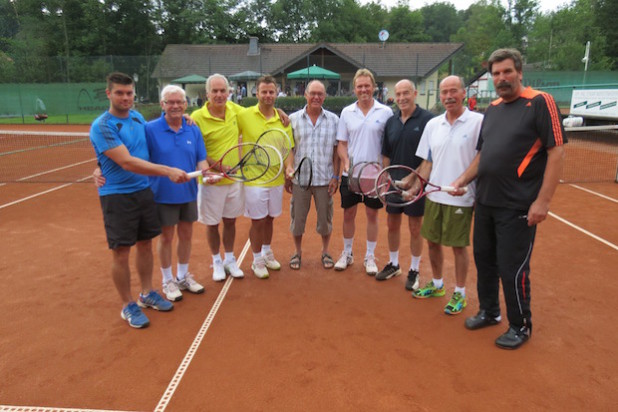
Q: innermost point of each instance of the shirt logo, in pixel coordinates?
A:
(189, 142)
(416, 129)
(459, 212)
(529, 104)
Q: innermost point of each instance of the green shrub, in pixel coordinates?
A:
(291, 104)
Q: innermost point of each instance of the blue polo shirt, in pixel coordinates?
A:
(182, 149)
(108, 132)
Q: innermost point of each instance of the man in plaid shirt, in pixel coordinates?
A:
(315, 135)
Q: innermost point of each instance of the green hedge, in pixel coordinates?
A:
(292, 104)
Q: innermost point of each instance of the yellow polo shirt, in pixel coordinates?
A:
(251, 124)
(219, 134)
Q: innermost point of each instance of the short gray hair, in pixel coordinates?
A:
(216, 76)
(172, 89)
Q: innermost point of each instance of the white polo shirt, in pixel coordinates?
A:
(364, 134)
(451, 149)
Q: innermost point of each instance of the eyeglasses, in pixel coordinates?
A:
(316, 94)
(174, 102)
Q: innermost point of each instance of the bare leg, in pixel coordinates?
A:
(144, 262)
(121, 273)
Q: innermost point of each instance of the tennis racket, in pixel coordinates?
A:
(362, 178)
(277, 139)
(244, 162)
(303, 174)
(390, 190)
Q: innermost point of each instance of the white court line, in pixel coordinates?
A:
(53, 189)
(584, 231)
(9, 408)
(611, 199)
(171, 388)
(55, 170)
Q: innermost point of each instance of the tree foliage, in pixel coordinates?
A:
(41, 38)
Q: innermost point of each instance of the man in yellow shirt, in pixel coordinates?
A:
(263, 203)
(224, 201)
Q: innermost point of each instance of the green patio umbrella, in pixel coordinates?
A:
(313, 72)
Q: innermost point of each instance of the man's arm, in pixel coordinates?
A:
(334, 181)
(121, 156)
(342, 152)
(553, 170)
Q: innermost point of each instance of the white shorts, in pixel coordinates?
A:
(217, 202)
(263, 201)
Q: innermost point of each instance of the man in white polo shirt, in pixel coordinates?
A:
(448, 146)
(360, 134)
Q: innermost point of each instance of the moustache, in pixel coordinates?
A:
(504, 84)
(449, 101)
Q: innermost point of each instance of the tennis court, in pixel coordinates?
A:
(303, 340)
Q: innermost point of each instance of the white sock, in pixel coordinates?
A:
(438, 283)
(265, 249)
(229, 257)
(183, 269)
(371, 247)
(416, 263)
(167, 274)
(216, 258)
(394, 257)
(257, 256)
(461, 290)
(347, 245)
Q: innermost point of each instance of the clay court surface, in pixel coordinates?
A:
(308, 340)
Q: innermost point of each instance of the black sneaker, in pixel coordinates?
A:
(412, 282)
(481, 320)
(388, 272)
(514, 337)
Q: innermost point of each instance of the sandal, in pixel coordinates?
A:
(295, 262)
(327, 261)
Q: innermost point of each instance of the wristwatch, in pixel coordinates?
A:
(336, 177)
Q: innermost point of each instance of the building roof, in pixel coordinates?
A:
(415, 60)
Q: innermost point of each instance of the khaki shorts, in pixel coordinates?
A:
(300, 205)
(447, 225)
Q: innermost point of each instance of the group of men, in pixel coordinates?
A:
(512, 155)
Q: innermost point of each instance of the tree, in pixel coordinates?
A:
(441, 21)
(405, 25)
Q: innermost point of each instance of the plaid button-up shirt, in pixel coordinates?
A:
(317, 142)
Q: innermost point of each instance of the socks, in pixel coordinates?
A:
(371, 247)
(461, 290)
(167, 274)
(416, 263)
(181, 273)
(394, 257)
(438, 283)
(229, 257)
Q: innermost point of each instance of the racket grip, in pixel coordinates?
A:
(452, 189)
(195, 174)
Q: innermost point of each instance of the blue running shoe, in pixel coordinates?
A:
(155, 301)
(134, 315)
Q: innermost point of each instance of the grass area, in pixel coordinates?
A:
(59, 119)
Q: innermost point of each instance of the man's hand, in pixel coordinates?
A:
(98, 178)
(285, 119)
(177, 175)
(288, 185)
(332, 187)
(189, 119)
(538, 212)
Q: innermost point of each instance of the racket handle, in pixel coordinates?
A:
(195, 174)
(452, 189)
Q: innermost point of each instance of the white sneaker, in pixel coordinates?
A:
(370, 265)
(271, 262)
(188, 283)
(171, 291)
(218, 271)
(231, 268)
(259, 268)
(344, 261)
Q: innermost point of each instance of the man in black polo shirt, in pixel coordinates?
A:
(518, 168)
(402, 133)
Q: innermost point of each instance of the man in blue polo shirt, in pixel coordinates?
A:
(129, 213)
(173, 143)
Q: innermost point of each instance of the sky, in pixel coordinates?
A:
(545, 5)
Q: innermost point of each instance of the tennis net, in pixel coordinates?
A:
(591, 154)
(45, 157)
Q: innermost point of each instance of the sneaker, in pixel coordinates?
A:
(270, 261)
(370, 265)
(188, 283)
(134, 315)
(429, 291)
(344, 261)
(171, 291)
(456, 304)
(259, 268)
(231, 268)
(412, 283)
(514, 337)
(218, 272)
(155, 301)
(481, 320)
(388, 272)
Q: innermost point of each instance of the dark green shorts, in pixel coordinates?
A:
(447, 225)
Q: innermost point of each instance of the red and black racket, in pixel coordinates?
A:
(362, 178)
(303, 174)
(390, 188)
(245, 162)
